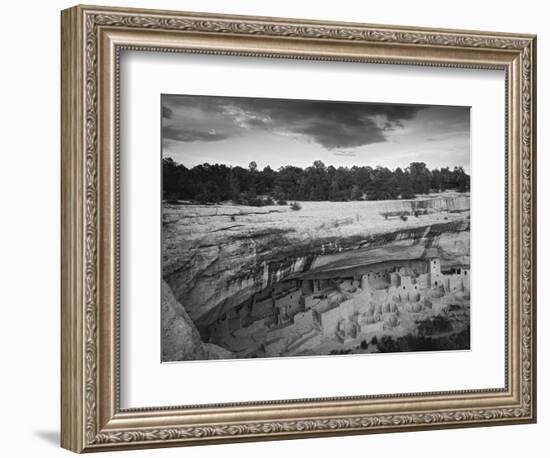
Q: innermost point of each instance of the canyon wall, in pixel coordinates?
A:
(216, 256)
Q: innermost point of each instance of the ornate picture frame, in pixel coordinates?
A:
(92, 41)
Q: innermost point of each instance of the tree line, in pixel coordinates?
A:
(209, 183)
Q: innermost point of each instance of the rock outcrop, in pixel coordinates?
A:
(180, 338)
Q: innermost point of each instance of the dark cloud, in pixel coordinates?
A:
(167, 112)
(330, 124)
(183, 135)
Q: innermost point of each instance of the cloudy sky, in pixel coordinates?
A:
(276, 132)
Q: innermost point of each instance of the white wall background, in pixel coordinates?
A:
(29, 229)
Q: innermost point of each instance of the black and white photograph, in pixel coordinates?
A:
(310, 227)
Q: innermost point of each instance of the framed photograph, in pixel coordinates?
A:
(277, 228)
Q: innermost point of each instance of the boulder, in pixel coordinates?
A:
(180, 339)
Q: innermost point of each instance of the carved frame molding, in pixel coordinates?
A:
(92, 39)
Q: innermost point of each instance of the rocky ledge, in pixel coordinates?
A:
(180, 338)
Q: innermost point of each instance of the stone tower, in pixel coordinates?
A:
(435, 272)
(365, 282)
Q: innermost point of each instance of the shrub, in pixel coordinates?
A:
(341, 352)
(388, 345)
(282, 202)
(255, 202)
(295, 206)
(407, 194)
(436, 325)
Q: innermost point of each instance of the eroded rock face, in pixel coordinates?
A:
(216, 257)
(180, 338)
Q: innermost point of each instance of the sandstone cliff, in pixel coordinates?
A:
(217, 256)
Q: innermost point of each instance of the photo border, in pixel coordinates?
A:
(282, 99)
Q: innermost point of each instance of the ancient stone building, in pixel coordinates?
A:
(342, 304)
